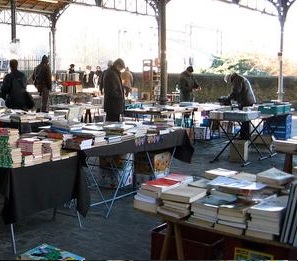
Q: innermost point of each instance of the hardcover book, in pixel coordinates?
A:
(160, 184)
(48, 252)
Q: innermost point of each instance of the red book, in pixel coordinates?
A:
(160, 184)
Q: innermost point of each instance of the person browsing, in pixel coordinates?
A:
(243, 94)
(114, 101)
(187, 83)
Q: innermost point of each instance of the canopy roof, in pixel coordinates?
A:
(46, 7)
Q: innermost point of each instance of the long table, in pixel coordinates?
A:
(233, 138)
(177, 142)
(28, 190)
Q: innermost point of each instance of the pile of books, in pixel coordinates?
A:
(274, 177)
(232, 218)
(78, 143)
(51, 149)
(205, 209)
(266, 217)
(66, 125)
(10, 155)
(148, 196)
(176, 202)
(31, 146)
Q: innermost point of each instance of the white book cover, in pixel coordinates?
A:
(275, 176)
(272, 206)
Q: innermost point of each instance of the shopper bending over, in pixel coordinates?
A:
(243, 94)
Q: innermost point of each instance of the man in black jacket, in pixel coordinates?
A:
(14, 87)
(114, 101)
(42, 78)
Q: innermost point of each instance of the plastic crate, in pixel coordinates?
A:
(271, 109)
(280, 126)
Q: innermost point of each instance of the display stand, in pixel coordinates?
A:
(150, 81)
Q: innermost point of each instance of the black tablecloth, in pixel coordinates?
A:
(178, 139)
(28, 190)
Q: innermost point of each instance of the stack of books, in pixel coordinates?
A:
(31, 146)
(78, 143)
(117, 128)
(9, 136)
(66, 125)
(232, 218)
(289, 229)
(10, 155)
(274, 177)
(177, 201)
(205, 209)
(23, 117)
(51, 149)
(111, 139)
(239, 187)
(266, 217)
(148, 196)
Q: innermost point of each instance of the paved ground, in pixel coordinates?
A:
(125, 235)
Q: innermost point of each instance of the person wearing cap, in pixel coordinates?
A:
(187, 83)
(114, 101)
(243, 94)
(42, 78)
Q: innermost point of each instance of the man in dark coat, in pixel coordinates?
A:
(42, 78)
(243, 94)
(186, 84)
(14, 87)
(114, 101)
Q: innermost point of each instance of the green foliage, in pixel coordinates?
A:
(240, 65)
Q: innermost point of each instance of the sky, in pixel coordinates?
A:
(195, 31)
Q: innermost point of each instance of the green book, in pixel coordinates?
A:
(48, 252)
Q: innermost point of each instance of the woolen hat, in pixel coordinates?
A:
(119, 62)
(189, 69)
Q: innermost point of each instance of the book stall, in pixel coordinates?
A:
(223, 215)
(48, 163)
(132, 156)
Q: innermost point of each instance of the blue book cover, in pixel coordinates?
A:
(48, 252)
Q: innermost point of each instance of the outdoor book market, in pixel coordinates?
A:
(202, 174)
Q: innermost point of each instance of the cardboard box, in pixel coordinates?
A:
(110, 176)
(202, 133)
(116, 161)
(110, 179)
(160, 163)
(242, 146)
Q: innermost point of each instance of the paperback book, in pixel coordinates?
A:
(48, 252)
(184, 194)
